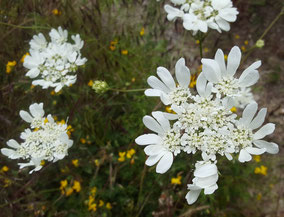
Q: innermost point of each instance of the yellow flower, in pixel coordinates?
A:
(52, 93)
(234, 109)
(90, 83)
(77, 186)
(176, 181)
(32, 86)
(121, 156)
(55, 118)
(82, 140)
(112, 47)
(246, 42)
(93, 207)
(197, 42)
(206, 50)
(4, 169)
(63, 185)
(257, 158)
(226, 57)
(124, 52)
(93, 191)
(42, 163)
(112, 44)
(108, 206)
(101, 203)
(243, 48)
(56, 12)
(169, 110)
(69, 191)
(10, 65)
(130, 153)
(237, 36)
(97, 162)
(259, 196)
(193, 79)
(75, 162)
(261, 170)
(132, 161)
(142, 31)
(69, 130)
(23, 57)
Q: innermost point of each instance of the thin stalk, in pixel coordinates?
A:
(125, 91)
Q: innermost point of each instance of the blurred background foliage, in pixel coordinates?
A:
(104, 173)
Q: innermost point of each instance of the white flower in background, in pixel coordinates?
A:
(203, 122)
(46, 140)
(243, 134)
(199, 15)
(222, 76)
(167, 90)
(206, 176)
(54, 64)
(161, 146)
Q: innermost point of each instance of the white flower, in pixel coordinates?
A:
(169, 92)
(222, 76)
(244, 135)
(245, 96)
(173, 13)
(206, 176)
(48, 141)
(54, 64)
(161, 146)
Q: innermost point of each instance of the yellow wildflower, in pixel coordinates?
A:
(257, 158)
(176, 181)
(112, 47)
(90, 83)
(108, 206)
(42, 163)
(169, 110)
(52, 93)
(243, 48)
(97, 162)
(259, 196)
(237, 36)
(121, 156)
(4, 169)
(101, 203)
(132, 161)
(36, 129)
(234, 109)
(77, 186)
(56, 12)
(69, 130)
(75, 162)
(124, 52)
(193, 79)
(93, 191)
(10, 65)
(63, 185)
(142, 31)
(55, 118)
(69, 191)
(197, 42)
(130, 153)
(246, 42)
(32, 86)
(92, 206)
(23, 57)
(82, 140)
(226, 57)
(261, 170)
(206, 50)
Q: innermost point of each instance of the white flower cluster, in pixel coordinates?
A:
(54, 63)
(44, 140)
(199, 15)
(203, 122)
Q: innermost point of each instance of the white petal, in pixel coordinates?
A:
(211, 70)
(250, 79)
(13, 143)
(219, 58)
(153, 159)
(252, 67)
(234, 59)
(182, 73)
(166, 77)
(210, 189)
(201, 84)
(259, 119)
(32, 73)
(170, 116)
(26, 116)
(264, 131)
(37, 110)
(152, 124)
(159, 116)
(228, 156)
(244, 156)
(10, 153)
(255, 151)
(152, 92)
(223, 24)
(153, 150)
(155, 83)
(249, 113)
(147, 139)
(206, 170)
(165, 163)
(192, 196)
(165, 99)
(206, 181)
(271, 147)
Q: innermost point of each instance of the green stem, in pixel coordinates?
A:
(132, 90)
(23, 27)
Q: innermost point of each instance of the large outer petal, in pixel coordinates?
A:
(267, 129)
(182, 73)
(192, 196)
(147, 139)
(234, 59)
(211, 70)
(166, 77)
(152, 124)
(165, 163)
(271, 147)
(259, 119)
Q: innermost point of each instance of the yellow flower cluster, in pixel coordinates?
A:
(75, 162)
(4, 169)
(257, 158)
(128, 154)
(142, 31)
(84, 141)
(92, 205)
(68, 190)
(176, 181)
(9, 66)
(261, 170)
(113, 44)
(56, 12)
